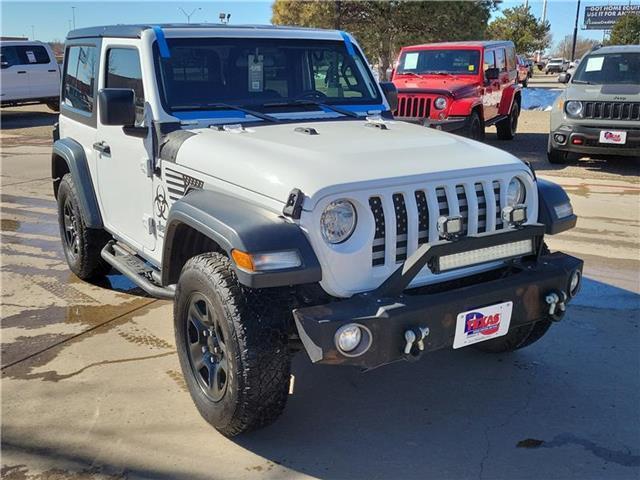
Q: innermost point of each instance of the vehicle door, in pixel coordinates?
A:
(13, 77)
(124, 182)
(42, 72)
(491, 96)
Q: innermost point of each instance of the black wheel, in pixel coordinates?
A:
(525, 82)
(54, 105)
(557, 157)
(81, 245)
(232, 345)
(475, 127)
(515, 339)
(507, 128)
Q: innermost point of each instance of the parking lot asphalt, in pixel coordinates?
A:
(91, 386)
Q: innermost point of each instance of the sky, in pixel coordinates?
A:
(50, 20)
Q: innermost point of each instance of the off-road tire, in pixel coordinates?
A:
(251, 326)
(475, 127)
(516, 338)
(54, 106)
(84, 259)
(508, 127)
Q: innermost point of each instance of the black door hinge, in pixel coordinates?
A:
(293, 208)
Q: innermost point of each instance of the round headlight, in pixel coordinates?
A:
(574, 108)
(440, 103)
(338, 221)
(348, 337)
(515, 192)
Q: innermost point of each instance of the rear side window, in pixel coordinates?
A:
(32, 54)
(501, 63)
(123, 71)
(511, 58)
(79, 77)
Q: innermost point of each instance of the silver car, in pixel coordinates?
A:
(599, 112)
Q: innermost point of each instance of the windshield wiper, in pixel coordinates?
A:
(226, 106)
(583, 82)
(311, 102)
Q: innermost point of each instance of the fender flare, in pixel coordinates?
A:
(238, 224)
(464, 106)
(550, 196)
(74, 156)
(508, 97)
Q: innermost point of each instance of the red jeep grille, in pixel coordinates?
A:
(414, 107)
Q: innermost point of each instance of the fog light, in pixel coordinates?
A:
(559, 138)
(515, 215)
(484, 255)
(574, 283)
(348, 337)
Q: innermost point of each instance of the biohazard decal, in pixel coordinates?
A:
(160, 203)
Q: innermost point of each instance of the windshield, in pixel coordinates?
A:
(207, 73)
(609, 68)
(457, 62)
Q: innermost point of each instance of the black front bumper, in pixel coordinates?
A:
(451, 124)
(388, 315)
(591, 141)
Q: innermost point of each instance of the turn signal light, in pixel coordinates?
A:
(243, 260)
(577, 140)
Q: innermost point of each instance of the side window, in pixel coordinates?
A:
(500, 60)
(79, 77)
(9, 56)
(489, 60)
(511, 58)
(32, 54)
(123, 71)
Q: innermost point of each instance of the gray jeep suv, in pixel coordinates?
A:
(599, 112)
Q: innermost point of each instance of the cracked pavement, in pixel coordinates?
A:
(91, 386)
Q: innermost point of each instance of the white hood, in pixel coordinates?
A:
(344, 156)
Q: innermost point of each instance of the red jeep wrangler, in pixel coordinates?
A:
(459, 87)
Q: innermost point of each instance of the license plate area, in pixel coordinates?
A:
(482, 323)
(615, 137)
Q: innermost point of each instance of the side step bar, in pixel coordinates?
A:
(135, 269)
(495, 120)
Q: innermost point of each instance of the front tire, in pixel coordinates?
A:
(54, 105)
(475, 127)
(515, 339)
(232, 345)
(81, 245)
(508, 127)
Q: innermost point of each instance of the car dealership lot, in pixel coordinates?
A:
(91, 383)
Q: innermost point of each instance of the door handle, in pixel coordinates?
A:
(102, 147)
(22, 71)
(51, 70)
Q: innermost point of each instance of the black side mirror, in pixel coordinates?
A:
(391, 94)
(117, 106)
(492, 73)
(564, 77)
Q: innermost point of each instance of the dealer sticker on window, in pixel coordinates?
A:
(482, 324)
(616, 137)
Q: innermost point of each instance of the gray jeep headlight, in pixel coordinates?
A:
(338, 221)
(515, 192)
(573, 108)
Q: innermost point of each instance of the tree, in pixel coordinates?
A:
(626, 30)
(583, 45)
(382, 27)
(520, 26)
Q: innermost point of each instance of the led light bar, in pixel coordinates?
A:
(485, 255)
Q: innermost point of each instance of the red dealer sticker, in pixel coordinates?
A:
(482, 324)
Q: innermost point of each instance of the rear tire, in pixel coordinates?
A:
(81, 245)
(54, 106)
(232, 345)
(508, 127)
(515, 339)
(557, 157)
(475, 127)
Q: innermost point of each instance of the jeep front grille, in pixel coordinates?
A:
(413, 107)
(417, 213)
(612, 110)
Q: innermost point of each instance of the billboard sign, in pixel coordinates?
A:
(603, 17)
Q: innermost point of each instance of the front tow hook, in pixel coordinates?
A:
(557, 305)
(414, 342)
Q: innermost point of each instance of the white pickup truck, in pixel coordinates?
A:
(29, 74)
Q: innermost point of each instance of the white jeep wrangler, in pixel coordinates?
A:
(256, 176)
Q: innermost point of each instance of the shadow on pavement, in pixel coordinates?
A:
(532, 147)
(461, 414)
(16, 117)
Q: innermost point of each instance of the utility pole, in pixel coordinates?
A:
(544, 11)
(73, 11)
(33, 32)
(189, 15)
(575, 33)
